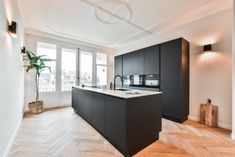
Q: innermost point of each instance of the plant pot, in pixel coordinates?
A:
(36, 107)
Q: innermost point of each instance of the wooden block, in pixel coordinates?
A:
(211, 115)
(202, 113)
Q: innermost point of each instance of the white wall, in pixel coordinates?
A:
(53, 99)
(210, 76)
(233, 91)
(12, 75)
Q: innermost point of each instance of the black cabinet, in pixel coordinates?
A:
(127, 64)
(97, 112)
(171, 61)
(171, 55)
(133, 63)
(138, 62)
(151, 60)
(175, 79)
(172, 105)
(118, 65)
(129, 124)
(85, 107)
(75, 98)
(115, 121)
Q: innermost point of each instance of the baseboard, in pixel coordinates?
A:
(12, 138)
(233, 135)
(221, 125)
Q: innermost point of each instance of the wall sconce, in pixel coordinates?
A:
(207, 48)
(12, 29)
(23, 50)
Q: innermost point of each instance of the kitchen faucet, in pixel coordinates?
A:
(114, 85)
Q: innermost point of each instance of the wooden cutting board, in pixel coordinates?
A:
(209, 115)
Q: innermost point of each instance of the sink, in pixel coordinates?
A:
(132, 92)
(122, 89)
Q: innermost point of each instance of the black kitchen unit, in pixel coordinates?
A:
(175, 79)
(170, 62)
(129, 123)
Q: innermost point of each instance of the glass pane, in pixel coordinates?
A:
(47, 79)
(101, 58)
(85, 68)
(68, 66)
(101, 75)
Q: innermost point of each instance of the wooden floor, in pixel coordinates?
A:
(62, 133)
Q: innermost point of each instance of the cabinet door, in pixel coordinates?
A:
(118, 65)
(138, 62)
(127, 64)
(97, 112)
(115, 120)
(173, 104)
(133, 63)
(171, 64)
(76, 99)
(85, 106)
(151, 60)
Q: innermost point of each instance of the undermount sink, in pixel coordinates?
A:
(132, 92)
(122, 89)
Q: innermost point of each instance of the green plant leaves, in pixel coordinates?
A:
(36, 62)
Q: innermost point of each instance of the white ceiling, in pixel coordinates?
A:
(134, 19)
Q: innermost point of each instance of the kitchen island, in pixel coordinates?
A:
(129, 120)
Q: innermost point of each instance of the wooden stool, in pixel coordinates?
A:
(209, 114)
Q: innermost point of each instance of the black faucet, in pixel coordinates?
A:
(114, 84)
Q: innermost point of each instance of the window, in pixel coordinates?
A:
(101, 69)
(86, 60)
(68, 69)
(47, 81)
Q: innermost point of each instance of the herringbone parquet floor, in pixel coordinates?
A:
(62, 133)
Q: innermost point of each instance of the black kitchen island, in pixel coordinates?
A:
(129, 121)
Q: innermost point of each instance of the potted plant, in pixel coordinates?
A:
(37, 63)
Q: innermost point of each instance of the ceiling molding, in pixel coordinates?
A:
(97, 6)
(66, 39)
(171, 23)
(113, 14)
(187, 15)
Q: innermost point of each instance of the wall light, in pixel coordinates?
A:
(23, 50)
(207, 48)
(12, 29)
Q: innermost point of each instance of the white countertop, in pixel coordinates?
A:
(121, 94)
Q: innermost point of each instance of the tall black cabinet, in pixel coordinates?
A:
(169, 60)
(174, 69)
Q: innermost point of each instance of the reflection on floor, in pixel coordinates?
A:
(62, 133)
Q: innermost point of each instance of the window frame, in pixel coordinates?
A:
(96, 65)
(93, 63)
(62, 44)
(56, 71)
(77, 66)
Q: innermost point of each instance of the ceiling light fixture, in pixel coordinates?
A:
(12, 29)
(104, 14)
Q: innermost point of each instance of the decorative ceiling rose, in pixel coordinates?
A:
(113, 12)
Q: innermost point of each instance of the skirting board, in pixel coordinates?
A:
(233, 135)
(221, 125)
(12, 138)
